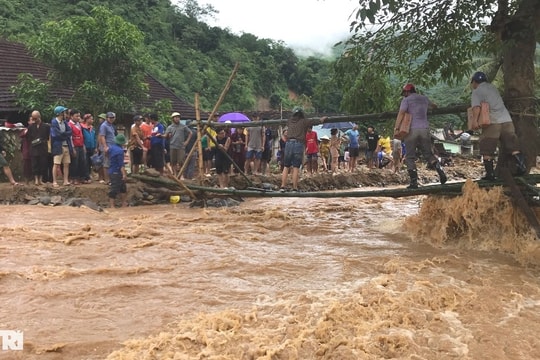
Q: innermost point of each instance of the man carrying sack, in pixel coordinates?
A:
(500, 126)
(419, 136)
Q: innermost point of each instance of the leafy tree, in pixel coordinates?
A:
(31, 93)
(178, 48)
(102, 57)
(427, 41)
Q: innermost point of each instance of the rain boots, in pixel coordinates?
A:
(490, 173)
(521, 168)
(440, 171)
(413, 174)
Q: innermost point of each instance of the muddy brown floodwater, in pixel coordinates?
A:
(282, 278)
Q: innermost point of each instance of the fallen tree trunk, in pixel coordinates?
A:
(449, 189)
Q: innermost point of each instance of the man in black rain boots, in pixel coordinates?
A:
(500, 126)
(419, 136)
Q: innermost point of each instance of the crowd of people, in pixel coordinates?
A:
(71, 150)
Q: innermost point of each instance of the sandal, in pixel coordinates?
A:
(55, 185)
(16, 184)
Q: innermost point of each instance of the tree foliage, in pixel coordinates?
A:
(428, 41)
(101, 56)
(31, 93)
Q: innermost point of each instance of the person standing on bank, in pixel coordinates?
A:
(297, 127)
(419, 136)
(38, 134)
(179, 136)
(107, 132)
(117, 171)
(61, 145)
(501, 126)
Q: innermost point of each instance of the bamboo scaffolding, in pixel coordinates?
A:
(205, 125)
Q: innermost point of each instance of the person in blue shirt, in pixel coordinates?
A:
(90, 143)
(354, 146)
(117, 171)
(157, 144)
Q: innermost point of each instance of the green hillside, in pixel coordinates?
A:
(191, 57)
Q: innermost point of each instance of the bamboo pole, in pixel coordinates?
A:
(228, 156)
(216, 106)
(199, 137)
(458, 109)
(182, 185)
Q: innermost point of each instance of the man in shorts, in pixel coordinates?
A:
(61, 145)
(297, 127)
(255, 145)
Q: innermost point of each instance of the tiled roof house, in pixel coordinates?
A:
(15, 59)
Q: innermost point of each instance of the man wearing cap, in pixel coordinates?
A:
(61, 145)
(101, 118)
(501, 126)
(419, 136)
(297, 127)
(179, 136)
(117, 171)
(157, 144)
(107, 132)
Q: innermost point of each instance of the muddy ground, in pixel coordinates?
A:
(141, 193)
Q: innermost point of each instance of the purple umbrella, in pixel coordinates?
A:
(233, 117)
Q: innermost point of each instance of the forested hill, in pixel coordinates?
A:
(189, 56)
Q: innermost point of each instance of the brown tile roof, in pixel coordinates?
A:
(15, 59)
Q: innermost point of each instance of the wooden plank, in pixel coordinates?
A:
(519, 200)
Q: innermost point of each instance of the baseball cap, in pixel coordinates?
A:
(409, 87)
(479, 77)
(120, 139)
(110, 114)
(59, 109)
(175, 114)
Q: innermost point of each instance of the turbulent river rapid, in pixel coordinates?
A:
(280, 278)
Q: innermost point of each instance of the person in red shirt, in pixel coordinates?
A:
(78, 165)
(312, 151)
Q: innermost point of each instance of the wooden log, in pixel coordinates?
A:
(519, 200)
(449, 189)
(458, 109)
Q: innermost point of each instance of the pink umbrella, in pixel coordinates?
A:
(233, 117)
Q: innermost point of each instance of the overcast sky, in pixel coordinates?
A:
(316, 24)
